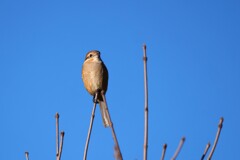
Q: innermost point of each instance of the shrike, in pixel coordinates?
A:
(95, 79)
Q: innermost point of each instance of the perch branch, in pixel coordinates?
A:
(145, 147)
(164, 151)
(216, 138)
(179, 148)
(90, 127)
(118, 154)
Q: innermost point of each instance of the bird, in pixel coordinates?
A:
(95, 79)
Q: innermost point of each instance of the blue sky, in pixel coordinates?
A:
(193, 67)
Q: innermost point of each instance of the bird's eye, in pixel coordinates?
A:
(90, 55)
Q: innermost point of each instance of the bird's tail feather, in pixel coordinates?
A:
(105, 114)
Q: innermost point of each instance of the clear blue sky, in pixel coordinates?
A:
(193, 52)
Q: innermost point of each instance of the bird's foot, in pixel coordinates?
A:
(95, 97)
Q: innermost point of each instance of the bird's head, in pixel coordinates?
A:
(94, 55)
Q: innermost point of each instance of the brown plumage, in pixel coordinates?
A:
(95, 79)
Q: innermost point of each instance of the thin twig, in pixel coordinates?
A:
(179, 148)
(164, 151)
(61, 145)
(216, 138)
(145, 147)
(90, 128)
(27, 155)
(57, 134)
(205, 151)
(118, 154)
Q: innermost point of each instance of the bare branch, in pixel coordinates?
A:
(90, 127)
(164, 151)
(57, 134)
(145, 147)
(61, 145)
(118, 154)
(27, 155)
(179, 148)
(216, 138)
(205, 151)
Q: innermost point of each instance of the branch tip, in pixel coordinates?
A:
(221, 122)
(163, 151)
(57, 115)
(179, 148)
(144, 46)
(183, 139)
(27, 155)
(165, 146)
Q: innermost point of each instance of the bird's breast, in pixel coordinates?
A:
(92, 75)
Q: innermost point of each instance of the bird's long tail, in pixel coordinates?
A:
(105, 114)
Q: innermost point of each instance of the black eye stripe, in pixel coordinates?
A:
(89, 56)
